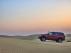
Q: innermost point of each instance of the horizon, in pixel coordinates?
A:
(34, 16)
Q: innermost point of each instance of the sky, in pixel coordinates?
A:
(34, 16)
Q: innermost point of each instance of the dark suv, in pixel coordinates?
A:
(56, 36)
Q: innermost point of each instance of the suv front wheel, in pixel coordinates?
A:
(42, 39)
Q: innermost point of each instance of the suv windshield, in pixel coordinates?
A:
(50, 33)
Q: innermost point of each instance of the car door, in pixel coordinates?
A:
(50, 36)
(54, 36)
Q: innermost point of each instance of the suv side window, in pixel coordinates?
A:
(61, 34)
(53, 33)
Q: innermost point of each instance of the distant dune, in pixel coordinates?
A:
(31, 37)
(68, 37)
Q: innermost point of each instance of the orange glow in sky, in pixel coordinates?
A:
(35, 16)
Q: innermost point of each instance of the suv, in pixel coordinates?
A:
(56, 36)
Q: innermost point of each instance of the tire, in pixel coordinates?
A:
(59, 40)
(42, 39)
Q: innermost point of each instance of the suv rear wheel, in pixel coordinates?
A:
(59, 40)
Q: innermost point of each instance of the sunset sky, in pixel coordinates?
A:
(34, 16)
